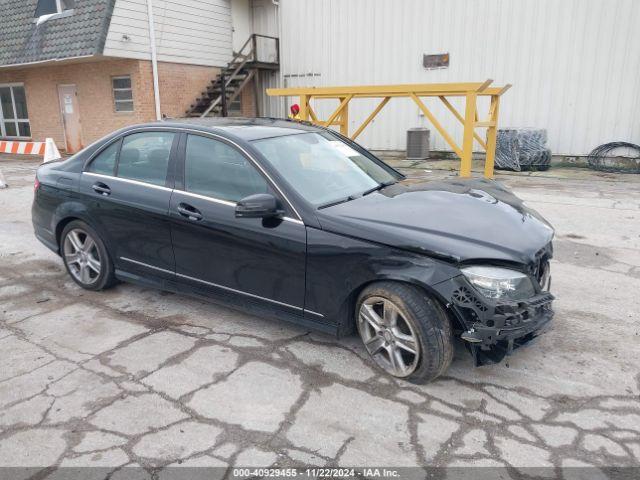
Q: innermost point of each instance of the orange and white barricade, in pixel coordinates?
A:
(26, 148)
(47, 149)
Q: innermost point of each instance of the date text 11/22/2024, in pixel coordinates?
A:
(315, 472)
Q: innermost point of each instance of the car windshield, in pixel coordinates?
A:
(322, 168)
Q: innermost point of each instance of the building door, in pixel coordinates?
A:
(70, 117)
(241, 21)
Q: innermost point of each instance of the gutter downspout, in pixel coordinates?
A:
(281, 81)
(154, 58)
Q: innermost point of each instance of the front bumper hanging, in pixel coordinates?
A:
(493, 329)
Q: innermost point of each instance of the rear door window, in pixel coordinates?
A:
(145, 157)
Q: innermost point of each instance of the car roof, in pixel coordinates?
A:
(247, 129)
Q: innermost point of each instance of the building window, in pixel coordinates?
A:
(51, 7)
(122, 93)
(14, 119)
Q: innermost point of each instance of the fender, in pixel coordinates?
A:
(75, 208)
(57, 201)
(334, 278)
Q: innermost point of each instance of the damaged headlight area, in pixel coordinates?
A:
(496, 309)
(500, 283)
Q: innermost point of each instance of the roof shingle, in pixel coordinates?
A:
(80, 34)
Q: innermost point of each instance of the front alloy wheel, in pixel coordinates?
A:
(388, 337)
(406, 332)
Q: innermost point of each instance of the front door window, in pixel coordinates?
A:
(14, 119)
(217, 170)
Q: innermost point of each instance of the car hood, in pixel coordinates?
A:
(458, 220)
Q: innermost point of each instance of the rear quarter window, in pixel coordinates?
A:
(105, 161)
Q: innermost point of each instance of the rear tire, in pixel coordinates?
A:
(405, 332)
(86, 257)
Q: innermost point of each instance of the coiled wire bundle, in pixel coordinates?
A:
(522, 149)
(601, 158)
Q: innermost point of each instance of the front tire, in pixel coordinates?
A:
(406, 333)
(85, 257)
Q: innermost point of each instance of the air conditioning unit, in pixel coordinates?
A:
(418, 143)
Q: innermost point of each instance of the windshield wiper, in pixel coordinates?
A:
(380, 186)
(337, 202)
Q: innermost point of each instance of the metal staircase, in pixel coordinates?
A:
(222, 96)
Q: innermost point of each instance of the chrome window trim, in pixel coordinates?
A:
(166, 189)
(128, 180)
(204, 133)
(146, 265)
(205, 197)
(227, 203)
(237, 291)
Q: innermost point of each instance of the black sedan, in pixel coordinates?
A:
(294, 221)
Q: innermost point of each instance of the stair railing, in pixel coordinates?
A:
(224, 84)
(251, 56)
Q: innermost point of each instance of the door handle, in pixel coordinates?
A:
(101, 188)
(190, 212)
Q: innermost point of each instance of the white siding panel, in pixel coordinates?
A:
(266, 22)
(574, 64)
(241, 19)
(265, 18)
(187, 31)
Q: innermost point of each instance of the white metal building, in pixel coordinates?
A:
(574, 64)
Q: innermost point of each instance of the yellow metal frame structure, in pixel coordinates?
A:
(470, 121)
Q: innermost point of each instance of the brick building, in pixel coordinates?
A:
(74, 70)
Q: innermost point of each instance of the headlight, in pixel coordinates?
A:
(500, 283)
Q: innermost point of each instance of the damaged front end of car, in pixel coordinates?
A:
(500, 309)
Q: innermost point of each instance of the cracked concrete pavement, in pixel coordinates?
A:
(138, 377)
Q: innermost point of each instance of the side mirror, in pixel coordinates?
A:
(260, 205)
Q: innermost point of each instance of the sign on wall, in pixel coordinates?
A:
(438, 60)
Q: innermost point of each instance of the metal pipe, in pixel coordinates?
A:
(154, 58)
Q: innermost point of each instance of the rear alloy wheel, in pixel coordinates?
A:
(82, 256)
(406, 333)
(86, 257)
